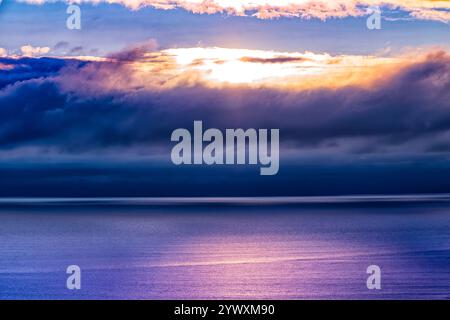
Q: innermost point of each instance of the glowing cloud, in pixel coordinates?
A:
(268, 9)
(30, 51)
(219, 66)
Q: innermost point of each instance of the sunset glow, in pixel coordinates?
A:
(271, 9)
(259, 66)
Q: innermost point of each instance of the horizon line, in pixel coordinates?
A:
(257, 200)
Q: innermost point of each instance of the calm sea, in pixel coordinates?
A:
(226, 248)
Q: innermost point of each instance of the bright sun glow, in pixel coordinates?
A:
(249, 66)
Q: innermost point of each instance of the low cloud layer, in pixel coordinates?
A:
(72, 107)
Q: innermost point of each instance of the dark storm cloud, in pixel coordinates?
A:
(51, 107)
(26, 68)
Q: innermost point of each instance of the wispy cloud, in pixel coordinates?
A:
(268, 9)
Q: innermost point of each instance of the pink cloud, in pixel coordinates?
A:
(268, 9)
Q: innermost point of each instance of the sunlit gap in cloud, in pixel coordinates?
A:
(239, 66)
(218, 67)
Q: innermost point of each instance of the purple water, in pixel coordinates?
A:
(224, 249)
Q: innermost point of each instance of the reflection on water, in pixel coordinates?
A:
(218, 252)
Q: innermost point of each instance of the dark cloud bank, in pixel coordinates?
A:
(78, 140)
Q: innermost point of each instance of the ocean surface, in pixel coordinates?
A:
(226, 248)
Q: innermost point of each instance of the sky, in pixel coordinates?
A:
(89, 112)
